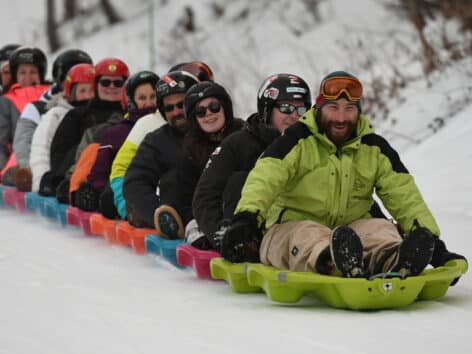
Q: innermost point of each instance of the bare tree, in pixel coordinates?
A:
(70, 9)
(418, 11)
(51, 26)
(110, 12)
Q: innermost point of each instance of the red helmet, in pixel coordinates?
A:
(80, 73)
(200, 69)
(111, 67)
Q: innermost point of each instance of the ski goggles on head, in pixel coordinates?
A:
(334, 87)
(288, 108)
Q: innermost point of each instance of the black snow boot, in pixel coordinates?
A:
(415, 252)
(346, 251)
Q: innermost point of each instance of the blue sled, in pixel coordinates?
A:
(162, 247)
(34, 201)
(54, 211)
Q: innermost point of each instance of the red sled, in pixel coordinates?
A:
(14, 198)
(80, 218)
(199, 260)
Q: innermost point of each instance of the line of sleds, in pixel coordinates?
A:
(379, 292)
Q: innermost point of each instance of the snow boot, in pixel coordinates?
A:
(415, 252)
(347, 252)
(168, 223)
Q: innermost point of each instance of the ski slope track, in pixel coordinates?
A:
(65, 293)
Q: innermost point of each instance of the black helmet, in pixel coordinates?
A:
(142, 77)
(28, 55)
(203, 90)
(279, 87)
(65, 61)
(177, 67)
(172, 83)
(6, 51)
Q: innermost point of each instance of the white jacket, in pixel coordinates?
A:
(40, 158)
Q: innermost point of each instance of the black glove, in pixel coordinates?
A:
(208, 242)
(242, 239)
(87, 197)
(62, 191)
(441, 256)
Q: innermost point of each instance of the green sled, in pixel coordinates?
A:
(357, 294)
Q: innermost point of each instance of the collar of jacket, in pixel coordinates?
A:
(102, 105)
(263, 132)
(364, 127)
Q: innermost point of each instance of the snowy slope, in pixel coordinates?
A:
(65, 293)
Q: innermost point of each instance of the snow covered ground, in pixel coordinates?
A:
(64, 293)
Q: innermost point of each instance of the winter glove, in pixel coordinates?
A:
(195, 237)
(62, 191)
(441, 256)
(242, 239)
(48, 184)
(87, 197)
(23, 179)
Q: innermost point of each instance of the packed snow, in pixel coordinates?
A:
(66, 293)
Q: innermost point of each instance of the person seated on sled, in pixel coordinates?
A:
(202, 72)
(160, 151)
(209, 112)
(281, 100)
(312, 189)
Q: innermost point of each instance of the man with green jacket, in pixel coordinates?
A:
(311, 192)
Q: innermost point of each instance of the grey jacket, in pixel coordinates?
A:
(8, 117)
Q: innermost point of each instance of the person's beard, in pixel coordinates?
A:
(179, 123)
(329, 128)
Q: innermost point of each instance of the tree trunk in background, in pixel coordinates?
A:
(51, 27)
(110, 12)
(69, 9)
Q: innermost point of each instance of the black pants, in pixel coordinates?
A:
(106, 205)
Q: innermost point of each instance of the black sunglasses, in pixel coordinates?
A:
(170, 107)
(214, 107)
(288, 108)
(108, 82)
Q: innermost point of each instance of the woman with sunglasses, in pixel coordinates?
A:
(281, 100)
(111, 74)
(311, 193)
(209, 112)
(139, 100)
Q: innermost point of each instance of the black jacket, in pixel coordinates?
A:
(178, 190)
(160, 152)
(237, 153)
(69, 132)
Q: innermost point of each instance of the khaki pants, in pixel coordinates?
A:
(296, 245)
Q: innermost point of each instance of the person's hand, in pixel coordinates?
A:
(441, 256)
(87, 197)
(241, 240)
